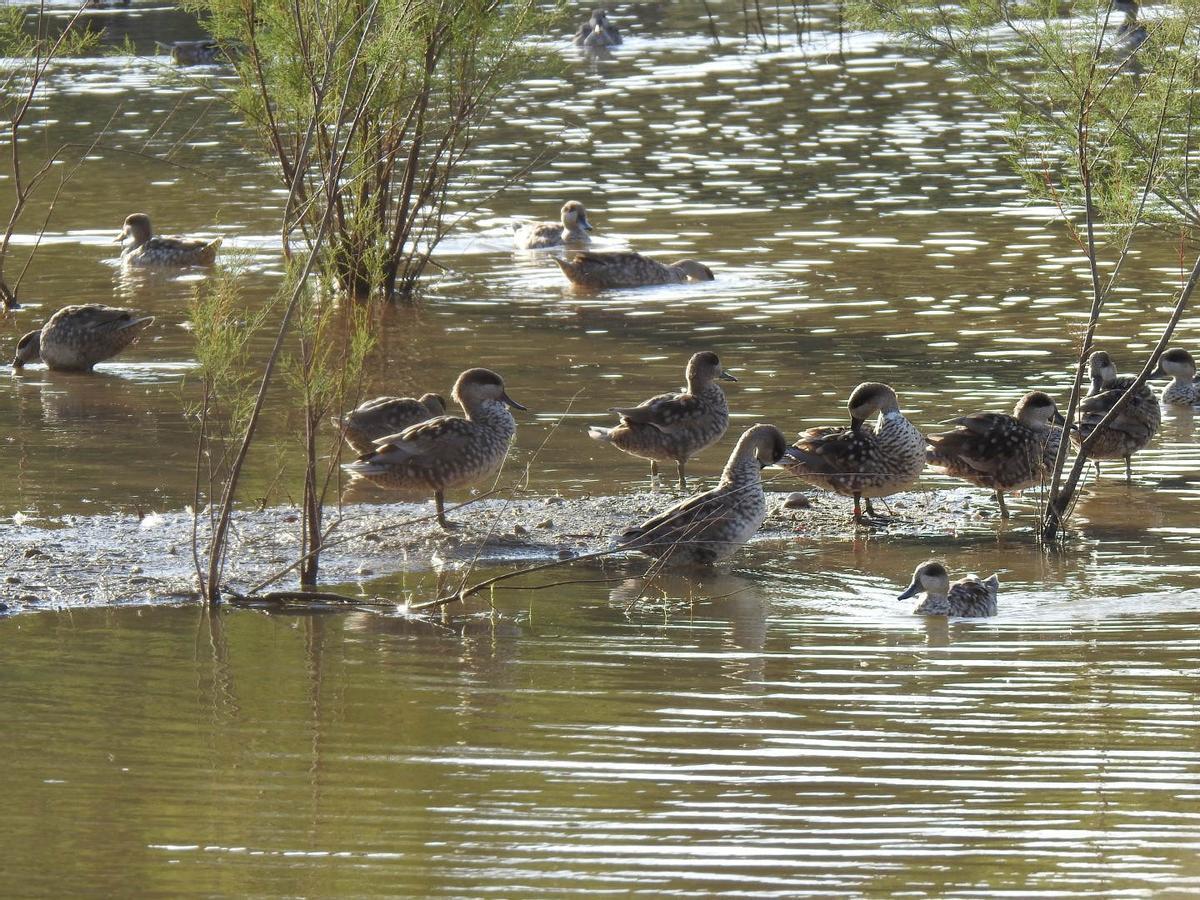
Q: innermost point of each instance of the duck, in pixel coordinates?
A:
(194, 53)
(1129, 35)
(1001, 452)
(861, 461)
(710, 526)
(968, 598)
(573, 227)
(674, 427)
(447, 452)
(142, 248)
(1133, 426)
(597, 31)
(75, 338)
(384, 416)
(624, 268)
(1178, 365)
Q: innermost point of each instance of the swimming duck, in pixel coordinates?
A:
(1130, 35)
(573, 228)
(674, 427)
(194, 53)
(619, 269)
(1178, 365)
(968, 597)
(384, 416)
(709, 527)
(447, 452)
(597, 31)
(861, 461)
(1133, 427)
(77, 337)
(1004, 453)
(142, 248)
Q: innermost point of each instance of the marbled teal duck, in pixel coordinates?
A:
(383, 416)
(142, 248)
(709, 527)
(1178, 365)
(622, 269)
(77, 337)
(861, 461)
(194, 53)
(968, 597)
(597, 31)
(674, 427)
(1133, 426)
(572, 228)
(1004, 453)
(447, 452)
(1130, 35)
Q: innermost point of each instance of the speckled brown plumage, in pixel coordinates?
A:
(622, 269)
(968, 597)
(709, 527)
(447, 452)
(77, 337)
(572, 228)
(142, 248)
(674, 427)
(1131, 429)
(384, 416)
(195, 53)
(1001, 452)
(861, 461)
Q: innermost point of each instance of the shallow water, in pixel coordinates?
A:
(801, 734)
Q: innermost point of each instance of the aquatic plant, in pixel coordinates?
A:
(1101, 126)
(30, 43)
(416, 79)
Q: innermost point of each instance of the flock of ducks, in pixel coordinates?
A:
(412, 444)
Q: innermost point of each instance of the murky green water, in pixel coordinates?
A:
(802, 734)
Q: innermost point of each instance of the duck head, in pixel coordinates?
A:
(1037, 410)
(703, 368)
(477, 386)
(435, 403)
(869, 398)
(1175, 363)
(767, 442)
(574, 214)
(693, 270)
(931, 578)
(1102, 370)
(137, 230)
(29, 349)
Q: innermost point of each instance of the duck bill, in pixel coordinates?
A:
(913, 590)
(513, 403)
(587, 226)
(725, 376)
(120, 238)
(1158, 373)
(1058, 418)
(136, 323)
(856, 424)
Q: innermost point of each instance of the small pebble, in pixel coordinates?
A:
(545, 523)
(554, 501)
(365, 570)
(567, 554)
(797, 500)
(12, 579)
(135, 570)
(520, 529)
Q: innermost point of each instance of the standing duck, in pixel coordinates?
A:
(622, 269)
(674, 427)
(447, 452)
(709, 527)
(861, 461)
(383, 416)
(573, 227)
(142, 248)
(597, 31)
(1178, 365)
(968, 597)
(77, 337)
(1004, 453)
(1133, 426)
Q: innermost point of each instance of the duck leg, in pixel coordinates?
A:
(1003, 508)
(858, 508)
(682, 479)
(439, 499)
(653, 470)
(1129, 470)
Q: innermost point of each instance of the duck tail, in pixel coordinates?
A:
(603, 435)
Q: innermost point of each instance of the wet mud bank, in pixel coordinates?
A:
(71, 561)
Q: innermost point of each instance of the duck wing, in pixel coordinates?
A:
(831, 450)
(1139, 418)
(686, 521)
(617, 268)
(668, 413)
(440, 437)
(984, 442)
